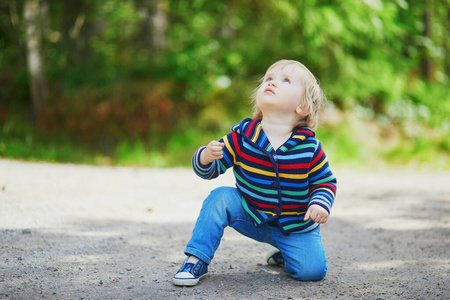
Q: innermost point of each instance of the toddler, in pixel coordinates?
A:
(284, 186)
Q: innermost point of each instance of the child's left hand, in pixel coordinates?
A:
(316, 213)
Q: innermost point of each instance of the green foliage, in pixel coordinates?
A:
(147, 82)
(432, 100)
(21, 140)
(425, 152)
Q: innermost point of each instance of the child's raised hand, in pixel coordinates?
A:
(316, 213)
(212, 152)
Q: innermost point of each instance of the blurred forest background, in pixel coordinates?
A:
(146, 82)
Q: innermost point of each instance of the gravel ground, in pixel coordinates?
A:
(83, 232)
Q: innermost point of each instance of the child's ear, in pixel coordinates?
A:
(302, 110)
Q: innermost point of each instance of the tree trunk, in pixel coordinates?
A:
(154, 24)
(446, 41)
(159, 25)
(33, 36)
(427, 61)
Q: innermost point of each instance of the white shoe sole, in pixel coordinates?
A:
(269, 259)
(187, 281)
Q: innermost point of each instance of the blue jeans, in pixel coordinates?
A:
(303, 253)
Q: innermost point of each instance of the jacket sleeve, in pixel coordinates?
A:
(219, 166)
(322, 182)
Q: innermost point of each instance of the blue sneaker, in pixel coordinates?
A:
(275, 257)
(190, 274)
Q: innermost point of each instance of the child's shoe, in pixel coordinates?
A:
(275, 257)
(190, 274)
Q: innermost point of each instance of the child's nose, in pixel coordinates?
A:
(272, 83)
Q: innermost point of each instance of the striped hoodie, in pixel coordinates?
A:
(277, 186)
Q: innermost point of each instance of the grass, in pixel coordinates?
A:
(351, 142)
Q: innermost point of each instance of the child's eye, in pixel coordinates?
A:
(286, 80)
(268, 79)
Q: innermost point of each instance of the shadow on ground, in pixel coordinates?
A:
(126, 260)
(81, 232)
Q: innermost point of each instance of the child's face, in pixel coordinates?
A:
(282, 91)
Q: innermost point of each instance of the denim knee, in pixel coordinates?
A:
(310, 273)
(221, 198)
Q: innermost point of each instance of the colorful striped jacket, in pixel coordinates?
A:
(277, 186)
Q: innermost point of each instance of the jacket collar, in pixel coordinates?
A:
(252, 131)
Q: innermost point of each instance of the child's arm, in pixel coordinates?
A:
(212, 152)
(316, 213)
(322, 185)
(214, 159)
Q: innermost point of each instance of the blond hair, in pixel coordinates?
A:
(313, 96)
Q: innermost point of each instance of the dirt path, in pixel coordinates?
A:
(82, 232)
